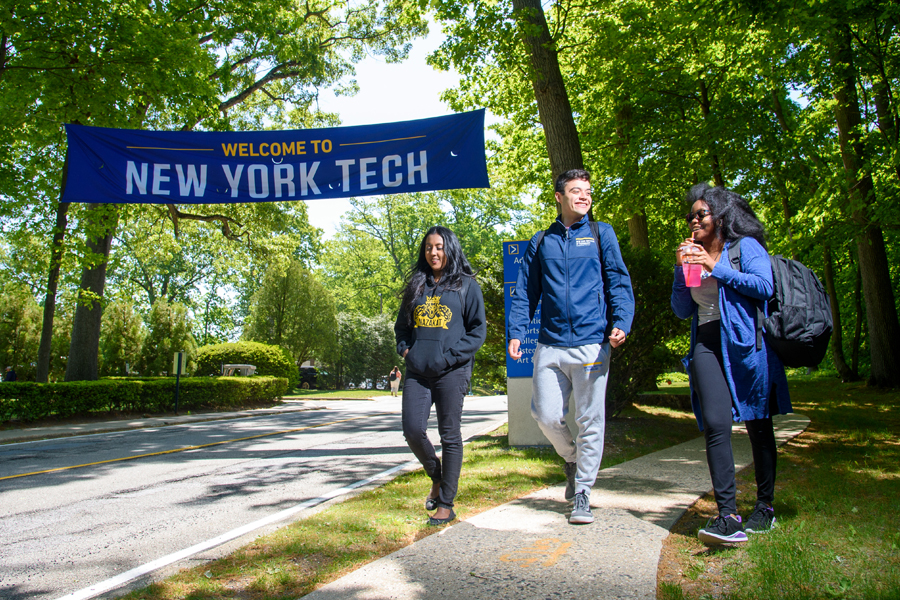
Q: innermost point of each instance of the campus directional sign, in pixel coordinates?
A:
(513, 254)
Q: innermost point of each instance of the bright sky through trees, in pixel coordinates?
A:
(387, 93)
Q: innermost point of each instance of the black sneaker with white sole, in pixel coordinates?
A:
(761, 520)
(723, 530)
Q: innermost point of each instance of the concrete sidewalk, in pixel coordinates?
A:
(526, 550)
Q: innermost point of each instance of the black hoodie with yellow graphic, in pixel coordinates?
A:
(448, 328)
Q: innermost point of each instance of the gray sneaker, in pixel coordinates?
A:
(581, 510)
(571, 468)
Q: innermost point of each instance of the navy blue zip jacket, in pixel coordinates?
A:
(581, 302)
(446, 331)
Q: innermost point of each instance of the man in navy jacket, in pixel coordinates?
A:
(587, 306)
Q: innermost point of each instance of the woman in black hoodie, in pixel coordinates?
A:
(439, 329)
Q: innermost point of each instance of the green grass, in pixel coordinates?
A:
(300, 557)
(837, 502)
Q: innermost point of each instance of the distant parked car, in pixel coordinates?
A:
(309, 378)
(351, 386)
(365, 384)
(238, 370)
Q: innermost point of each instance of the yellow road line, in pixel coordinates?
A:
(186, 448)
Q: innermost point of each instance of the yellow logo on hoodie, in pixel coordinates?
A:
(432, 314)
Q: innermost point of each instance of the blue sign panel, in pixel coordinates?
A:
(513, 254)
(214, 167)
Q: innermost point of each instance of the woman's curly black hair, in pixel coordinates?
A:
(732, 214)
(456, 268)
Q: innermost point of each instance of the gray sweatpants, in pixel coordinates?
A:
(581, 371)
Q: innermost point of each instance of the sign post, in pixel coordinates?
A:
(523, 430)
(179, 362)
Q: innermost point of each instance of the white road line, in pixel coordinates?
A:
(105, 586)
(119, 580)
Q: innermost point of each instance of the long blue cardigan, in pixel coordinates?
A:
(751, 372)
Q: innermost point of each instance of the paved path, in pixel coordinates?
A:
(525, 550)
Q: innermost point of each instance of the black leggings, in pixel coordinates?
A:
(708, 378)
(446, 393)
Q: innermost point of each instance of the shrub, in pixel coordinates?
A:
(268, 360)
(30, 401)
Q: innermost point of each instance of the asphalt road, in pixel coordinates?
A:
(78, 512)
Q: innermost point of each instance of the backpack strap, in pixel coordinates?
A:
(734, 257)
(595, 232)
(540, 238)
(462, 291)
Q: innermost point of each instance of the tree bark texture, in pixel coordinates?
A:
(554, 109)
(637, 223)
(881, 310)
(42, 374)
(886, 121)
(705, 107)
(837, 338)
(857, 329)
(84, 348)
(637, 229)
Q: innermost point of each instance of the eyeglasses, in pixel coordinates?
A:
(699, 215)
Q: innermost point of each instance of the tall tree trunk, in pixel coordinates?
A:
(886, 121)
(42, 374)
(857, 329)
(705, 107)
(784, 195)
(637, 223)
(637, 228)
(83, 363)
(881, 311)
(554, 109)
(837, 338)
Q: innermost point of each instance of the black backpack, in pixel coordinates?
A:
(393, 375)
(799, 323)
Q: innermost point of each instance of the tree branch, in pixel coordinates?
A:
(225, 223)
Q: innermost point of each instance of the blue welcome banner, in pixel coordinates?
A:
(185, 167)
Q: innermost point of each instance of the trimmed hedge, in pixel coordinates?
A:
(31, 401)
(268, 360)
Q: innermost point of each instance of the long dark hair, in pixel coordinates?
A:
(732, 214)
(456, 268)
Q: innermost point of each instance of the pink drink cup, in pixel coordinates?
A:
(691, 271)
(691, 274)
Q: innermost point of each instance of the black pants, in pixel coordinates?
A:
(446, 393)
(708, 378)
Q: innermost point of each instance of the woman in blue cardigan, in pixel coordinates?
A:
(734, 374)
